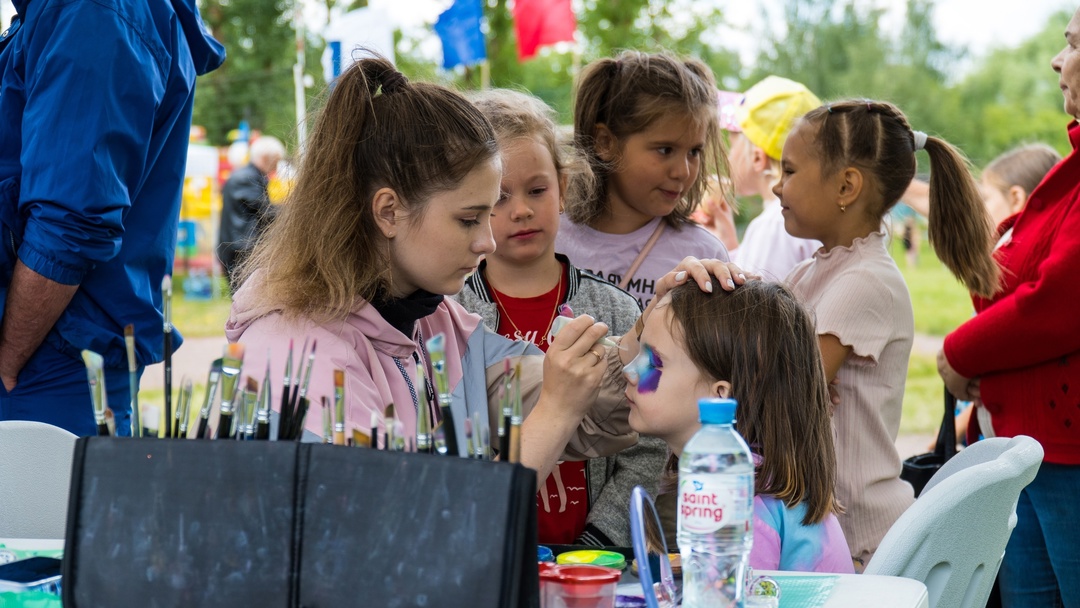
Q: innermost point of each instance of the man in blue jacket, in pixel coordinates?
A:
(95, 111)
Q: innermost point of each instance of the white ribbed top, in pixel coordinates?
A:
(858, 295)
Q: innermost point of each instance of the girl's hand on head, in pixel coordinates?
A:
(574, 366)
(727, 273)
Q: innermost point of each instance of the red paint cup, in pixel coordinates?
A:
(577, 586)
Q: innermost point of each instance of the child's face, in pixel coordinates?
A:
(656, 168)
(808, 199)
(664, 385)
(526, 218)
(741, 159)
(443, 243)
(997, 203)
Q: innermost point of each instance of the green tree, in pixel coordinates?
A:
(255, 83)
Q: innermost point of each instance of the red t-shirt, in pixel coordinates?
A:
(563, 503)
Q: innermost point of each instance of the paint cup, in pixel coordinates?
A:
(577, 586)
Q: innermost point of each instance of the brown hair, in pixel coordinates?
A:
(763, 341)
(1024, 166)
(376, 130)
(876, 138)
(516, 115)
(627, 94)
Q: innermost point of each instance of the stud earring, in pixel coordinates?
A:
(843, 208)
(390, 235)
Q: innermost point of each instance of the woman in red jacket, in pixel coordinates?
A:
(1021, 356)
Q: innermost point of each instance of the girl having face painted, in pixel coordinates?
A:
(755, 344)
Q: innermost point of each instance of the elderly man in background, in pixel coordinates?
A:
(245, 204)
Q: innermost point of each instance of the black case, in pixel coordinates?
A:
(156, 523)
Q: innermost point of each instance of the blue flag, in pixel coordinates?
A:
(459, 29)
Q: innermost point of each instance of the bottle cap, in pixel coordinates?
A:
(713, 410)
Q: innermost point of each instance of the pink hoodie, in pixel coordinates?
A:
(369, 350)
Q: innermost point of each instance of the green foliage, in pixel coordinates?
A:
(256, 81)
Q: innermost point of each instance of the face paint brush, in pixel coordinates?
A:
(184, 408)
(437, 352)
(507, 410)
(339, 407)
(95, 364)
(166, 305)
(516, 417)
(208, 402)
(231, 364)
(262, 416)
(133, 379)
(423, 415)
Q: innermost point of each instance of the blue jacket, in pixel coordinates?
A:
(95, 112)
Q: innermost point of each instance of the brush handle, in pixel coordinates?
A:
(504, 437)
(168, 384)
(133, 387)
(449, 430)
(224, 425)
(102, 429)
(262, 430)
(285, 420)
(204, 421)
(515, 443)
(298, 422)
(339, 437)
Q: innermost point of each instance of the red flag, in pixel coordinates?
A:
(541, 23)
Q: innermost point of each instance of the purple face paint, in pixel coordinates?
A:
(645, 370)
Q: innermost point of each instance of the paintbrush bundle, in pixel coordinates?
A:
(290, 524)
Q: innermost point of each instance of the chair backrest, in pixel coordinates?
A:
(954, 536)
(35, 473)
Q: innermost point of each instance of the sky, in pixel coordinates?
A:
(977, 24)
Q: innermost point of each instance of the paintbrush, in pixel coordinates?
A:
(423, 414)
(516, 417)
(300, 416)
(294, 396)
(284, 419)
(166, 306)
(211, 390)
(478, 447)
(328, 425)
(469, 449)
(507, 410)
(437, 353)
(231, 364)
(339, 407)
(375, 430)
(360, 440)
(133, 379)
(262, 416)
(184, 408)
(400, 445)
(307, 371)
(245, 427)
(150, 422)
(388, 424)
(95, 364)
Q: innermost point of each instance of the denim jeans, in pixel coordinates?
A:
(53, 388)
(1042, 560)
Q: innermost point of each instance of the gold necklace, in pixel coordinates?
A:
(517, 331)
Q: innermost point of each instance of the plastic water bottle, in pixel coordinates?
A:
(716, 508)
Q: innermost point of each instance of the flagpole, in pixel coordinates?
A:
(298, 79)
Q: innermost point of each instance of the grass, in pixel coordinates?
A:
(200, 318)
(940, 304)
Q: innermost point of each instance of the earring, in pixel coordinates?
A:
(390, 235)
(843, 208)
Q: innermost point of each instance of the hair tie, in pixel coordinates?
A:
(393, 81)
(920, 140)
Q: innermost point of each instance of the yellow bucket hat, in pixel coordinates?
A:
(770, 110)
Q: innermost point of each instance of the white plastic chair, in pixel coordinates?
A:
(954, 536)
(35, 473)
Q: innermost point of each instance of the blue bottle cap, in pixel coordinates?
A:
(713, 410)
